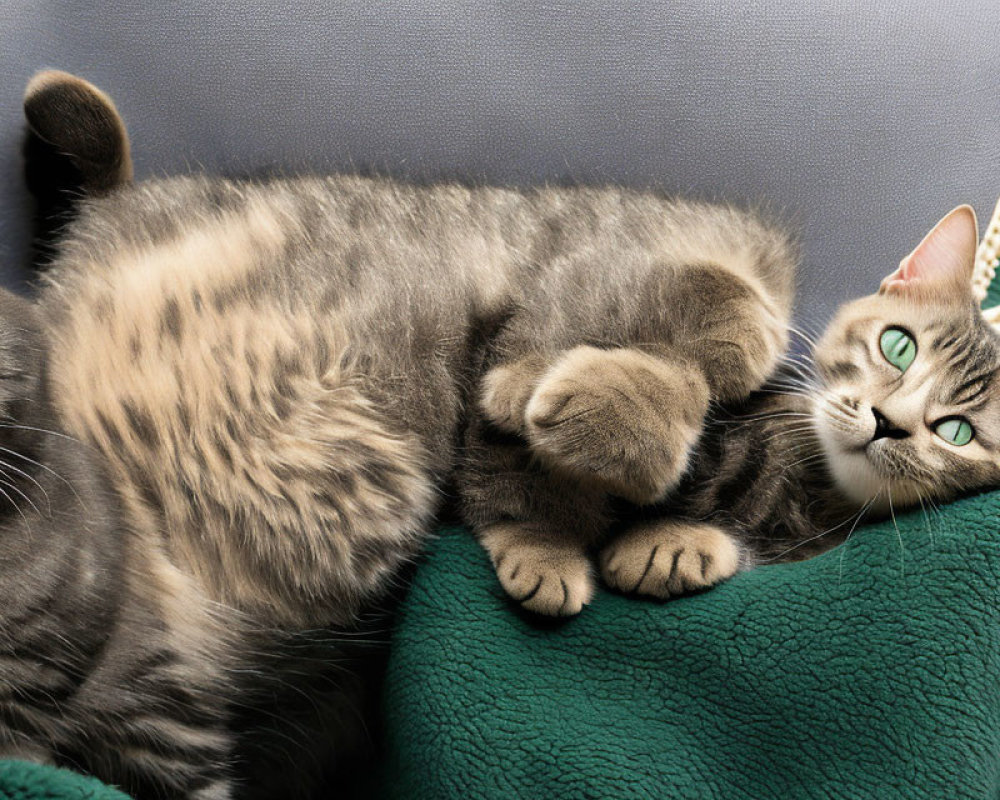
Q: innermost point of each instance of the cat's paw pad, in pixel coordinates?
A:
(668, 558)
(620, 418)
(543, 577)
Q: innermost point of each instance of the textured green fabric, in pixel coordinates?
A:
(992, 295)
(872, 671)
(23, 781)
(869, 672)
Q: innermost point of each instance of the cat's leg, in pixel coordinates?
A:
(626, 417)
(537, 525)
(621, 419)
(730, 325)
(669, 557)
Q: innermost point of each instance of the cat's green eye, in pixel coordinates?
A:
(956, 431)
(898, 347)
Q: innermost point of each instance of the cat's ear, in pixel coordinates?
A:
(941, 265)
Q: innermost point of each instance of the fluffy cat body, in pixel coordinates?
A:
(266, 385)
(272, 378)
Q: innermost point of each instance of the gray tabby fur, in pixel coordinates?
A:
(254, 393)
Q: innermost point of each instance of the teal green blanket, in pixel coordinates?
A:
(21, 781)
(870, 672)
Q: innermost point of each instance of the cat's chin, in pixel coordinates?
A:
(862, 470)
(862, 478)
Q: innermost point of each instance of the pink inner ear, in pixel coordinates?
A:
(944, 259)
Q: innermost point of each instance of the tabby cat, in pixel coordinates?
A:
(232, 410)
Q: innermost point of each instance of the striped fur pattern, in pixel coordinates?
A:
(797, 466)
(234, 406)
(276, 379)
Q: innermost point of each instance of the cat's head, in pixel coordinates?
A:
(909, 404)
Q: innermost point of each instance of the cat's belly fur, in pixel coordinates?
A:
(275, 373)
(249, 423)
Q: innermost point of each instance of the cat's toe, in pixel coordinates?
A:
(668, 558)
(500, 401)
(506, 390)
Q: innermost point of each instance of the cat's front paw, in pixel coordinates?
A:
(544, 576)
(620, 418)
(669, 558)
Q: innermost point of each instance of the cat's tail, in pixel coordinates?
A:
(76, 147)
(79, 122)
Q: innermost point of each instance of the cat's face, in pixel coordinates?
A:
(909, 406)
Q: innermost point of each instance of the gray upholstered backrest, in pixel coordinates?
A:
(863, 121)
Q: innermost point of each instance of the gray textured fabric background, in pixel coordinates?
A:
(864, 121)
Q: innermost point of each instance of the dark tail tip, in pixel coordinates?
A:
(79, 122)
(76, 147)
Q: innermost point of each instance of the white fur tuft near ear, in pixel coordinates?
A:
(942, 263)
(987, 259)
(992, 317)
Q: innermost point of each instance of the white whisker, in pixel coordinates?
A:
(902, 550)
(28, 499)
(46, 468)
(18, 509)
(39, 430)
(864, 510)
(828, 531)
(5, 466)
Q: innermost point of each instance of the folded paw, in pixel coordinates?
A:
(621, 418)
(669, 558)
